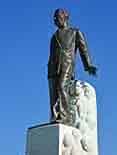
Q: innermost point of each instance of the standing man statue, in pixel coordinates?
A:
(63, 49)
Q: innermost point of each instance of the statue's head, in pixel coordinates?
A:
(61, 17)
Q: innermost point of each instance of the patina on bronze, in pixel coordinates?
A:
(63, 49)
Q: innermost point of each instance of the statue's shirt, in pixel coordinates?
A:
(63, 52)
(66, 51)
(66, 38)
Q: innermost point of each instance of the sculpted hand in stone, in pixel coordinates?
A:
(63, 49)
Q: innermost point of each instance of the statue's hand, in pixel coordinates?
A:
(92, 70)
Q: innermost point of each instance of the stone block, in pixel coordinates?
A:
(59, 139)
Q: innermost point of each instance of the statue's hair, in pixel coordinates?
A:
(61, 11)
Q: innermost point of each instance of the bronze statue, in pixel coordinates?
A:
(63, 50)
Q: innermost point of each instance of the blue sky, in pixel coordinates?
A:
(25, 30)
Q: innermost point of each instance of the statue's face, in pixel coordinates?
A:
(60, 19)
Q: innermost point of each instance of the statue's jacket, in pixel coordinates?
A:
(63, 50)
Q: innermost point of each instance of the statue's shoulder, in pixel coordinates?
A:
(53, 36)
(74, 29)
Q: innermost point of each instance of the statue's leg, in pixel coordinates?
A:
(53, 95)
(62, 90)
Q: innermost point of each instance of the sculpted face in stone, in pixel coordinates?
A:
(61, 18)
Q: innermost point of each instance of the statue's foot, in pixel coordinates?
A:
(56, 120)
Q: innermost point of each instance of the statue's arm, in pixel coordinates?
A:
(84, 53)
(52, 49)
(51, 57)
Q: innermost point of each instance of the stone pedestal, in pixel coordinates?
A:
(59, 139)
